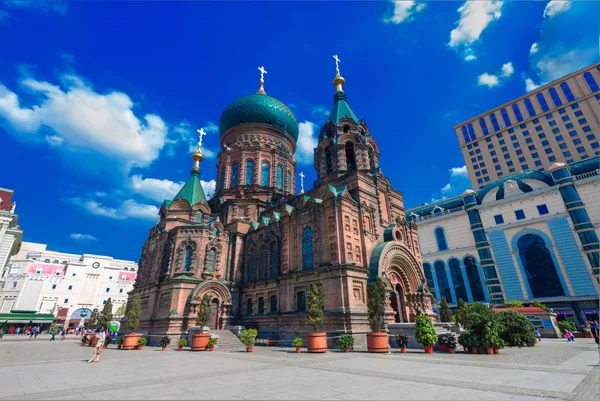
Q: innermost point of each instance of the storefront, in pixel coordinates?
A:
(25, 320)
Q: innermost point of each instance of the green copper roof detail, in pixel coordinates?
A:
(289, 209)
(192, 190)
(276, 216)
(341, 109)
(265, 220)
(259, 109)
(337, 192)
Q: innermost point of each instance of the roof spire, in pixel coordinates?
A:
(261, 90)
(197, 156)
(338, 81)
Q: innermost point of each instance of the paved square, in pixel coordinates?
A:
(553, 369)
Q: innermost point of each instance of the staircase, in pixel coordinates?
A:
(227, 341)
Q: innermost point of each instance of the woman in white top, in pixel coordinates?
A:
(101, 335)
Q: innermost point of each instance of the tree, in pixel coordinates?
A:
(94, 319)
(316, 303)
(203, 312)
(106, 316)
(445, 312)
(134, 313)
(514, 304)
(514, 328)
(460, 304)
(479, 321)
(376, 304)
(121, 310)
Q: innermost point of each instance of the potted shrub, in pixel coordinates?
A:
(182, 343)
(140, 344)
(211, 343)
(476, 319)
(133, 322)
(84, 340)
(425, 333)
(164, 342)
(377, 340)
(316, 342)
(451, 342)
(200, 341)
(107, 341)
(346, 342)
(497, 344)
(298, 343)
(466, 340)
(248, 338)
(530, 339)
(402, 341)
(490, 338)
(514, 328)
(442, 343)
(119, 342)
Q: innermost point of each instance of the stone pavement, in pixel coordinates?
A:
(553, 369)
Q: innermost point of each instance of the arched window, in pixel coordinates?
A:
(471, 132)
(536, 321)
(234, 176)
(222, 180)
(517, 112)
(261, 264)
(261, 306)
(274, 259)
(210, 260)
(249, 307)
(350, 159)
(307, 249)
(506, 118)
(250, 272)
(249, 172)
(539, 267)
(494, 122)
(542, 101)
(215, 232)
(301, 302)
(288, 180)
(429, 277)
(279, 183)
(567, 91)
(555, 98)
(328, 165)
(530, 108)
(457, 280)
(199, 217)
(265, 175)
(591, 81)
(442, 279)
(483, 126)
(188, 258)
(465, 134)
(440, 237)
(273, 304)
(474, 280)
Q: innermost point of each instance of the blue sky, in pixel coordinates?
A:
(100, 101)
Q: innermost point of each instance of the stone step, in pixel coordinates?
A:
(227, 340)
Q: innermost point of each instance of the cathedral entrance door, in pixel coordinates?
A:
(399, 292)
(214, 314)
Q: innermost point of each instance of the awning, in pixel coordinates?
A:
(27, 321)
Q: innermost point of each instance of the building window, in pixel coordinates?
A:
(74, 274)
(234, 176)
(250, 271)
(222, 180)
(261, 264)
(249, 172)
(457, 279)
(261, 306)
(542, 209)
(288, 180)
(301, 301)
(465, 134)
(199, 217)
(539, 267)
(484, 127)
(555, 97)
(519, 214)
(307, 249)
(70, 288)
(551, 158)
(530, 108)
(542, 102)
(591, 81)
(567, 91)
(494, 122)
(505, 117)
(274, 259)
(441, 239)
(499, 219)
(279, 183)
(120, 290)
(210, 261)
(586, 129)
(249, 307)
(442, 279)
(66, 301)
(474, 279)
(53, 285)
(108, 290)
(582, 121)
(471, 133)
(264, 175)
(429, 277)
(110, 278)
(538, 163)
(273, 304)
(188, 259)
(517, 112)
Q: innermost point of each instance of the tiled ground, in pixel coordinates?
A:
(552, 370)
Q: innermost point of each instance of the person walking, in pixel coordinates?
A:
(569, 336)
(36, 332)
(101, 334)
(595, 332)
(18, 331)
(52, 335)
(538, 335)
(62, 335)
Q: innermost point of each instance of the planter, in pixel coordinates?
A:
(200, 342)
(164, 348)
(211, 349)
(496, 351)
(443, 347)
(377, 342)
(249, 349)
(451, 350)
(530, 345)
(130, 341)
(346, 349)
(119, 346)
(179, 349)
(140, 347)
(316, 342)
(403, 350)
(490, 351)
(297, 350)
(473, 350)
(428, 349)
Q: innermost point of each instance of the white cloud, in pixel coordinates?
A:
(131, 208)
(556, 7)
(208, 187)
(459, 182)
(188, 134)
(475, 16)
(128, 209)
(530, 85)
(470, 57)
(155, 189)
(554, 65)
(54, 140)
(57, 6)
(307, 142)
(404, 11)
(507, 70)
(320, 111)
(488, 80)
(534, 48)
(82, 237)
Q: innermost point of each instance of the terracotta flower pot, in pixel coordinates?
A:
(403, 350)
(130, 341)
(211, 349)
(164, 348)
(473, 350)
(530, 345)
(428, 349)
(443, 347)
(496, 351)
(249, 349)
(140, 347)
(316, 342)
(297, 350)
(490, 351)
(451, 350)
(346, 349)
(180, 348)
(377, 342)
(200, 342)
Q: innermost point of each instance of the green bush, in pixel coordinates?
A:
(212, 342)
(514, 304)
(203, 312)
(468, 341)
(316, 303)
(425, 331)
(142, 341)
(119, 341)
(567, 325)
(346, 341)
(248, 337)
(541, 305)
(514, 328)
(445, 312)
(481, 324)
(376, 302)
(182, 342)
(298, 343)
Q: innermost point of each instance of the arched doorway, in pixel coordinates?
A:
(539, 267)
(397, 303)
(214, 314)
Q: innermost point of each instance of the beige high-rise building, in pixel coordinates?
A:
(558, 122)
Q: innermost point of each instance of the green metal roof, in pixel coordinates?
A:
(192, 190)
(341, 109)
(259, 109)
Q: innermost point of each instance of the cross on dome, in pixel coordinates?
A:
(202, 133)
(301, 182)
(337, 62)
(262, 73)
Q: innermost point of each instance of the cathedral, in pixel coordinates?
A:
(256, 247)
